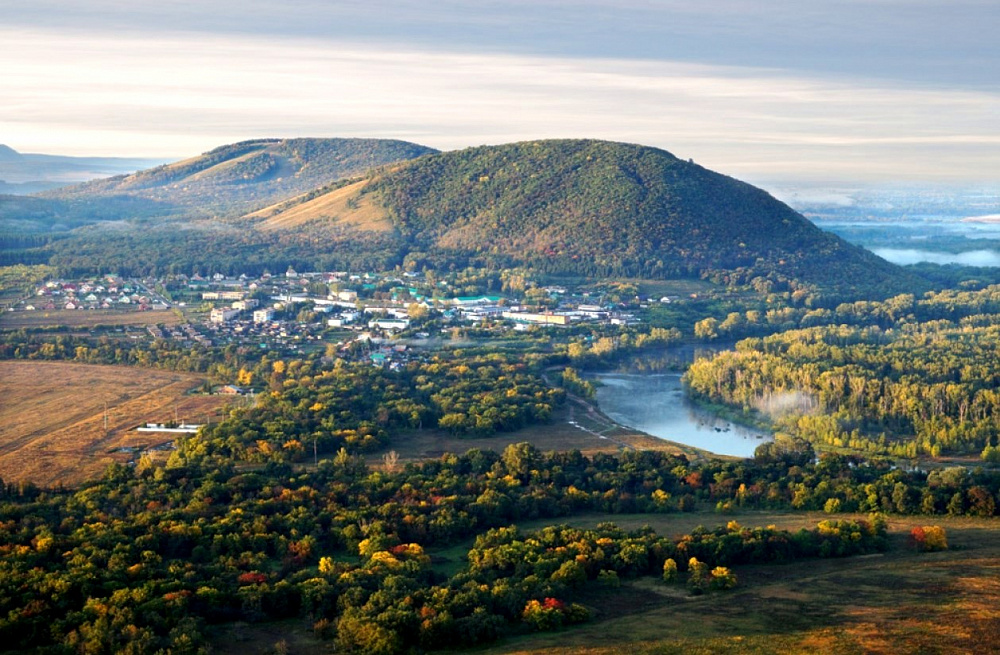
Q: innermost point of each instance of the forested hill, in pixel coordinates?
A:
(599, 208)
(238, 177)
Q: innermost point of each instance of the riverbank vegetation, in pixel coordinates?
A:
(923, 385)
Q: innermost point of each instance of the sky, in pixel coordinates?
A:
(821, 90)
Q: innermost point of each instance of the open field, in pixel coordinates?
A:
(86, 318)
(52, 416)
(590, 433)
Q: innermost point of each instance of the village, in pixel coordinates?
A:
(374, 315)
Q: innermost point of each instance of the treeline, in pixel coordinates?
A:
(595, 351)
(147, 559)
(808, 309)
(158, 353)
(231, 251)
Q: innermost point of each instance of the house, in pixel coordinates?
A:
(223, 314)
(347, 295)
(263, 315)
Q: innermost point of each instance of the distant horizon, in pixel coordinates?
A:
(773, 185)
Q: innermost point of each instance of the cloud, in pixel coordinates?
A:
(178, 94)
(948, 44)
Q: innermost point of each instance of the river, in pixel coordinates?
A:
(655, 403)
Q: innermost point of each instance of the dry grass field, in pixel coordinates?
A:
(345, 207)
(52, 416)
(86, 318)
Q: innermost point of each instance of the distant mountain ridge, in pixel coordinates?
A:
(248, 174)
(29, 172)
(9, 154)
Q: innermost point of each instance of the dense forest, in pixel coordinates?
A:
(901, 378)
(150, 558)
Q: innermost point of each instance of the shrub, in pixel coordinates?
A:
(929, 538)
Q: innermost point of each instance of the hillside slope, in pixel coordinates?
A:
(243, 176)
(595, 208)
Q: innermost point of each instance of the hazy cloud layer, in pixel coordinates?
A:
(770, 90)
(905, 256)
(951, 42)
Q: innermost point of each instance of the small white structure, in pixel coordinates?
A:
(183, 428)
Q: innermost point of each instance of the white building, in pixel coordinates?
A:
(389, 324)
(223, 314)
